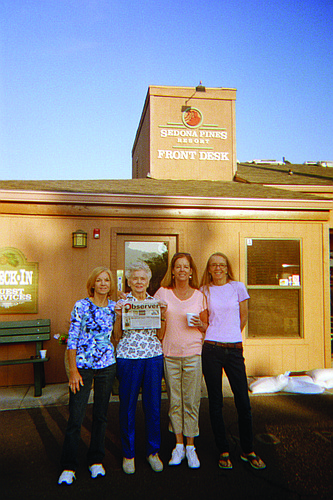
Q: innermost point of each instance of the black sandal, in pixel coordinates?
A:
(253, 460)
(224, 461)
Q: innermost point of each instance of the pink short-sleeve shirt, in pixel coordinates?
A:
(181, 340)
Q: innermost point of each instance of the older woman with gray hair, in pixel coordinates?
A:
(139, 364)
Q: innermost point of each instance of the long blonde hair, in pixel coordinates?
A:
(207, 280)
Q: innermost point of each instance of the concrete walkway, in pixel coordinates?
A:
(22, 397)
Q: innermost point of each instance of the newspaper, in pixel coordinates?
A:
(141, 315)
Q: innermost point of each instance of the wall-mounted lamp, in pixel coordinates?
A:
(79, 239)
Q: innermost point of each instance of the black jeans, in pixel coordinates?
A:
(214, 360)
(103, 381)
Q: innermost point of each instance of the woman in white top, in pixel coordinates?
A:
(223, 350)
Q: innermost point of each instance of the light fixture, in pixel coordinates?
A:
(79, 239)
(200, 88)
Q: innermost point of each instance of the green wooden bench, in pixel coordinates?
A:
(36, 330)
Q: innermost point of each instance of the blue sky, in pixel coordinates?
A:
(74, 76)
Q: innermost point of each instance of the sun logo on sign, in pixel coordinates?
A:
(192, 117)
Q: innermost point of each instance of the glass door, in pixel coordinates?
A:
(155, 250)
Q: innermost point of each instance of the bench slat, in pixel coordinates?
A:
(24, 338)
(25, 323)
(22, 361)
(19, 332)
(5, 332)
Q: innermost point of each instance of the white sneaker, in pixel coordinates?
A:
(67, 476)
(155, 463)
(97, 470)
(192, 457)
(128, 465)
(177, 456)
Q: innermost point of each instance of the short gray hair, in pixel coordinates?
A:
(138, 266)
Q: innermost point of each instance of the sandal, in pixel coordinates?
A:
(224, 461)
(253, 460)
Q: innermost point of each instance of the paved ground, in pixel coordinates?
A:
(294, 435)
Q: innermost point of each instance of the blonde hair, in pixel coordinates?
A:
(169, 282)
(207, 280)
(92, 280)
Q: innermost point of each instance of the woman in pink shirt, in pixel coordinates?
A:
(223, 350)
(182, 345)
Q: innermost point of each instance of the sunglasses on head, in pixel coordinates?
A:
(181, 253)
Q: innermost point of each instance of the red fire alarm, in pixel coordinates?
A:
(97, 234)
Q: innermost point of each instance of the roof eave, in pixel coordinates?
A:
(58, 197)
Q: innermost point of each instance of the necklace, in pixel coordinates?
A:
(183, 295)
(100, 303)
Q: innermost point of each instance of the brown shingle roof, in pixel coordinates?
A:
(183, 188)
(288, 174)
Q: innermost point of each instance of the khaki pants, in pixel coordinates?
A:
(183, 378)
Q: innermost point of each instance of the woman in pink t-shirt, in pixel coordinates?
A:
(182, 345)
(223, 350)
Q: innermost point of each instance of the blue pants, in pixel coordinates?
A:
(215, 359)
(133, 374)
(103, 382)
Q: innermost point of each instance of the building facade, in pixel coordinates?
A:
(184, 196)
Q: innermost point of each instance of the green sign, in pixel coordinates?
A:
(18, 283)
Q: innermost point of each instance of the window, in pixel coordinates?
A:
(274, 285)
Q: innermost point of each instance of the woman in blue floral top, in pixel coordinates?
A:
(91, 359)
(139, 364)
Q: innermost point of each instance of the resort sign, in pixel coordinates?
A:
(18, 283)
(193, 139)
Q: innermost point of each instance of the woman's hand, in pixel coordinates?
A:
(200, 322)
(195, 321)
(75, 381)
(118, 308)
(161, 331)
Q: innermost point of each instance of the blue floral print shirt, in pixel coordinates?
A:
(90, 334)
(139, 344)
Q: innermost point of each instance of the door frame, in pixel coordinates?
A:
(139, 234)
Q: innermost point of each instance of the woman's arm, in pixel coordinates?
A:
(204, 320)
(200, 322)
(161, 331)
(117, 329)
(75, 379)
(243, 312)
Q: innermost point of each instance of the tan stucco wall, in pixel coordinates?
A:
(63, 272)
(209, 152)
(141, 149)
